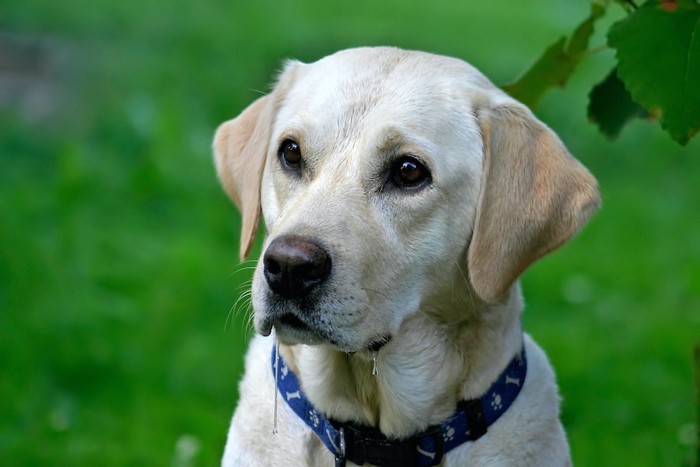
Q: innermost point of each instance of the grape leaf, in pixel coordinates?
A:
(556, 64)
(658, 50)
(610, 106)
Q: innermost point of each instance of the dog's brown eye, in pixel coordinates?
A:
(290, 154)
(407, 172)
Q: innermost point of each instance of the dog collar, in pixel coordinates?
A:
(361, 444)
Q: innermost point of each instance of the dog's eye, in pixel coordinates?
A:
(407, 172)
(290, 154)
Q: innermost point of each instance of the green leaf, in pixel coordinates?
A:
(658, 49)
(556, 64)
(628, 5)
(610, 106)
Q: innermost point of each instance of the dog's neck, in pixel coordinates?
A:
(437, 358)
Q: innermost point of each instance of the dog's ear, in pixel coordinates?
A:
(534, 196)
(240, 150)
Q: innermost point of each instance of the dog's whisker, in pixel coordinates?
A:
(243, 269)
(461, 272)
(244, 301)
(228, 318)
(468, 286)
(258, 91)
(452, 289)
(377, 292)
(245, 285)
(249, 329)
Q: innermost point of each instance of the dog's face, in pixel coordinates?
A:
(379, 173)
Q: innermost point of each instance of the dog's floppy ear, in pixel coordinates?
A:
(534, 196)
(240, 150)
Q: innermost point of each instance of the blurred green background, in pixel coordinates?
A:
(118, 249)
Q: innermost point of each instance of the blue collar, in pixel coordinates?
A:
(361, 444)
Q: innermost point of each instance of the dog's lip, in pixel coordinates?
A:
(286, 320)
(375, 346)
(265, 328)
(289, 329)
(292, 321)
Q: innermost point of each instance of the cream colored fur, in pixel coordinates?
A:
(435, 268)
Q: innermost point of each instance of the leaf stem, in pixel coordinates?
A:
(595, 50)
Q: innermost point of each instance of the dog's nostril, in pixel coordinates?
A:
(317, 269)
(294, 265)
(272, 266)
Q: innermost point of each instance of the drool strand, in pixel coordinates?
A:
(277, 372)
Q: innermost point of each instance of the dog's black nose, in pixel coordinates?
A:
(294, 265)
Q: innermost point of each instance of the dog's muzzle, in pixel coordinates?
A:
(295, 268)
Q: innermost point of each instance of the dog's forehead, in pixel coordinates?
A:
(370, 76)
(368, 89)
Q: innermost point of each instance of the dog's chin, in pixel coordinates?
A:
(291, 330)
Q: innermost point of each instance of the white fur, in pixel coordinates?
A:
(404, 264)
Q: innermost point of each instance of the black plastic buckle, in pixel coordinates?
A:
(365, 445)
(475, 418)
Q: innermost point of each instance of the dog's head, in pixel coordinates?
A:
(379, 173)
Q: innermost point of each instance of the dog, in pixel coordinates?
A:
(402, 194)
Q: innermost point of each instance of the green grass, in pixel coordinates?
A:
(118, 250)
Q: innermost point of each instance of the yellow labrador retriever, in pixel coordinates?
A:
(402, 195)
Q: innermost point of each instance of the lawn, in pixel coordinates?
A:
(119, 337)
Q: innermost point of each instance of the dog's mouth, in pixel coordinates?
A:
(378, 344)
(292, 322)
(284, 322)
(291, 329)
